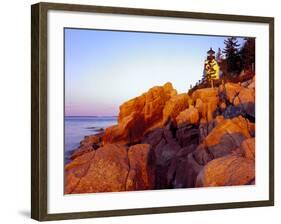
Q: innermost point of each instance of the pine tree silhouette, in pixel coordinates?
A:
(248, 54)
(231, 52)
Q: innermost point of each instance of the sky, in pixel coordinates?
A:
(103, 69)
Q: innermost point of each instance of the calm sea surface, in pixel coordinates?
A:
(78, 127)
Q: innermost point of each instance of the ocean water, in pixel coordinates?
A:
(75, 128)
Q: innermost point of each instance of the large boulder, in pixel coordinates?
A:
(246, 98)
(224, 139)
(75, 170)
(88, 144)
(150, 104)
(111, 168)
(227, 171)
(240, 98)
(248, 148)
(252, 84)
(206, 102)
(130, 130)
(237, 125)
(205, 94)
(188, 116)
(206, 127)
(231, 90)
(174, 106)
(245, 95)
(155, 102)
(142, 168)
(80, 151)
(139, 115)
(104, 170)
(249, 83)
(132, 106)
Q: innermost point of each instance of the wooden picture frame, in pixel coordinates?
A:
(39, 109)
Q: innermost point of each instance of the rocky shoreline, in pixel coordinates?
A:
(166, 140)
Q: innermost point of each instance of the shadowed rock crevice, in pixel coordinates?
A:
(239, 100)
(141, 174)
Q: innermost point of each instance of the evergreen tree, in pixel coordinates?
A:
(248, 54)
(219, 56)
(232, 56)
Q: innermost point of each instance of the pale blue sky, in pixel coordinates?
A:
(103, 69)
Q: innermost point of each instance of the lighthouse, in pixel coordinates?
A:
(211, 67)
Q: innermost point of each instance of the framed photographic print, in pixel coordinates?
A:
(141, 111)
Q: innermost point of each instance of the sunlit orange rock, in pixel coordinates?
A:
(223, 106)
(227, 171)
(249, 83)
(252, 84)
(174, 106)
(142, 168)
(150, 103)
(206, 109)
(139, 114)
(200, 106)
(245, 95)
(224, 138)
(104, 170)
(248, 148)
(131, 106)
(211, 108)
(206, 127)
(155, 102)
(237, 125)
(188, 116)
(129, 130)
(112, 167)
(231, 90)
(206, 102)
(242, 96)
(77, 169)
(205, 94)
